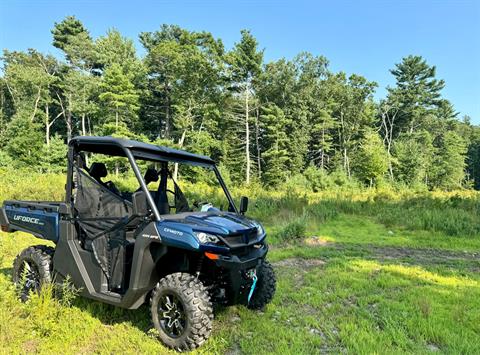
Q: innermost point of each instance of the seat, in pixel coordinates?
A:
(99, 171)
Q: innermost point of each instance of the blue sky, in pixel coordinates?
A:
(363, 37)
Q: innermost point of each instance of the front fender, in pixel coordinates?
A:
(177, 235)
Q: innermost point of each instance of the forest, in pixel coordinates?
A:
(268, 123)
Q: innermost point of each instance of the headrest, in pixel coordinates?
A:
(81, 161)
(151, 175)
(98, 170)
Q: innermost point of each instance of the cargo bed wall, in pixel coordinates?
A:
(38, 218)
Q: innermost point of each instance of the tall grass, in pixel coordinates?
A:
(450, 213)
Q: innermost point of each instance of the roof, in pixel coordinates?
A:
(116, 146)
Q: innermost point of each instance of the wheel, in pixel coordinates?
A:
(181, 311)
(265, 287)
(32, 270)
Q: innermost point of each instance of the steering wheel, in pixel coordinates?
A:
(198, 204)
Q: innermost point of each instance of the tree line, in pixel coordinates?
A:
(263, 122)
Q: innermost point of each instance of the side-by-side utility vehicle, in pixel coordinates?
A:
(154, 245)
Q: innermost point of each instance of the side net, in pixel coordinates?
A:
(101, 214)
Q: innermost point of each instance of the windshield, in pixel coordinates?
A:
(174, 187)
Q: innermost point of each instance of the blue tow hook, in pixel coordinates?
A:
(253, 275)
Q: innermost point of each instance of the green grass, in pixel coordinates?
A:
(357, 272)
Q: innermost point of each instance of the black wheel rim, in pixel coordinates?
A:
(172, 315)
(30, 279)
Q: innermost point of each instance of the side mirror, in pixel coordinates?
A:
(243, 204)
(139, 201)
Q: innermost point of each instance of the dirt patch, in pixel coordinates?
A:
(425, 257)
(299, 263)
(234, 350)
(460, 260)
(30, 346)
(399, 252)
(317, 241)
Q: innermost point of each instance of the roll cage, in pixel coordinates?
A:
(133, 150)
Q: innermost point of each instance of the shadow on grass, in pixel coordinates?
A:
(112, 315)
(7, 271)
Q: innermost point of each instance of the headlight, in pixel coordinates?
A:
(205, 238)
(260, 230)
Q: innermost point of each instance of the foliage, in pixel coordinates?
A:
(265, 122)
(119, 94)
(294, 230)
(372, 160)
(449, 163)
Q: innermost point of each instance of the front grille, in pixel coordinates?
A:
(241, 239)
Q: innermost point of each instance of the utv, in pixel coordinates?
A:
(123, 247)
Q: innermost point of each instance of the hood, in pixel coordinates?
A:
(216, 222)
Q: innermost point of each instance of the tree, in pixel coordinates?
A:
(388, 110)
(113, 48)
(449, 162)
(29, 77)
(372, 161)
(353, 108)
(24, 140)
(73, 39)
(416, 92)
(245, 65)
(119, 94)
(275, 145)
(54, 156)
(184, 72)
(412, 158)
(81, 90)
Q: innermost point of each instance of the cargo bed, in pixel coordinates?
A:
(40, 218)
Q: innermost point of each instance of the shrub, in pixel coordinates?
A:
(293, 231)
(318, 178)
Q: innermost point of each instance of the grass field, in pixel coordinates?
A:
(358, 273)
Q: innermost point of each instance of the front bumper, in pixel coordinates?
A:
(236, 267)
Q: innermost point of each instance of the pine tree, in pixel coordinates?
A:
(119, 94)
(449, 164)
(64, 31)
(417, 93)
(245, 64)
(274, 145)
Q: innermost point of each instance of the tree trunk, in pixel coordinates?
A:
(47, 126)
(69, 126)
(35, 108)
(247, 140)
(89, 126)
(116, 129)
(346, 163)
(322, 151)
(167, 113)
(180, 144)
(257, 143)
(84, 128)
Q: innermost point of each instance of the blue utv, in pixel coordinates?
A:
(128, 247)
